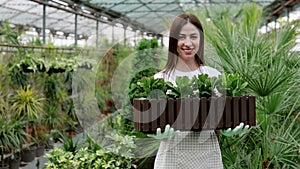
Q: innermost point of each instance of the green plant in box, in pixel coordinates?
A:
(204, 84)
(232, 84)
(183, 88)
(145, 88)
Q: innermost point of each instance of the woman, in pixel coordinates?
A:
(188, 150)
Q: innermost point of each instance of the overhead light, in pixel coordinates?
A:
(61, 2)
(104, 18)
(86, 11)
(60, 33)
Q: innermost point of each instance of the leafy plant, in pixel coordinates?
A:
(267, 63)
(183, 88)
(70, 145)
(148, 87)
(117, 155)
(7, 35)
(53, 118)
(58, 158)
(12, 134)
(27, 103)
(204, 85)
(232, 84)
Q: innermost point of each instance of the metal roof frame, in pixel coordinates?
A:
(144, 15)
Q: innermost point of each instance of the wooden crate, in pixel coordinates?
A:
(194, 114)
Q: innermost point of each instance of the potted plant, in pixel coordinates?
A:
(203, 107)
(12, 134)
(20, 135)
(27, 104)
(41, 140)
(53, 117)
(5, 143)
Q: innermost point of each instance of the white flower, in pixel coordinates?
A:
(169, 91)
(138, 83)
(195, 91)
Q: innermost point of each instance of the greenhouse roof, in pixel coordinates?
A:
(145, 15)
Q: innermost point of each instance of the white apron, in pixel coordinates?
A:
(189, 150)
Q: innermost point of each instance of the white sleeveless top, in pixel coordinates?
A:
(212, 72)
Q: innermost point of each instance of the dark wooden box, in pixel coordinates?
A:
(193, 114)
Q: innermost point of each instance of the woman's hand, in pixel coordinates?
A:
(240, 129)
(169, 132)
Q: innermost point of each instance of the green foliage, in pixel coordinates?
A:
(117, 155)
(7, 35)
(147, 44)
(204, 85)
(70, 145)
(184, 87)
(146, 51)
(33, 62)
(148, 87)
(59, 159)
(12, 134)
(27, 103)
(271, 70)
(232, 84)
(199, 86)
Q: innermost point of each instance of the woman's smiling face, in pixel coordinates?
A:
(188, 42)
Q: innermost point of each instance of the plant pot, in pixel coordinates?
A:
(30, 131)
(25, 68)
(71, 133)
(15, 163)
(146, 163)
(5, 166)
(40, 150)
(85, 66)
(194, 114)
(56, 70)
(28, 154)
(41, 68)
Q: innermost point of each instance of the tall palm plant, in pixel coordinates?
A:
(271, 68)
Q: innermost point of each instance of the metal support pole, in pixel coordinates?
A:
(44, 24)
(75, 29)
(134, 40)
(275, 20)
(97, 34)
(288, 14)
(125, 35)
(113, 34)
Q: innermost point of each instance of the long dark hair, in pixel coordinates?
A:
(177, 24)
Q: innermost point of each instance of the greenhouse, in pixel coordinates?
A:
(88, 84)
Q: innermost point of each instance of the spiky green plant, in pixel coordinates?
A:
(271, 68)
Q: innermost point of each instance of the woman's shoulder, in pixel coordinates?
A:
(212, 72)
